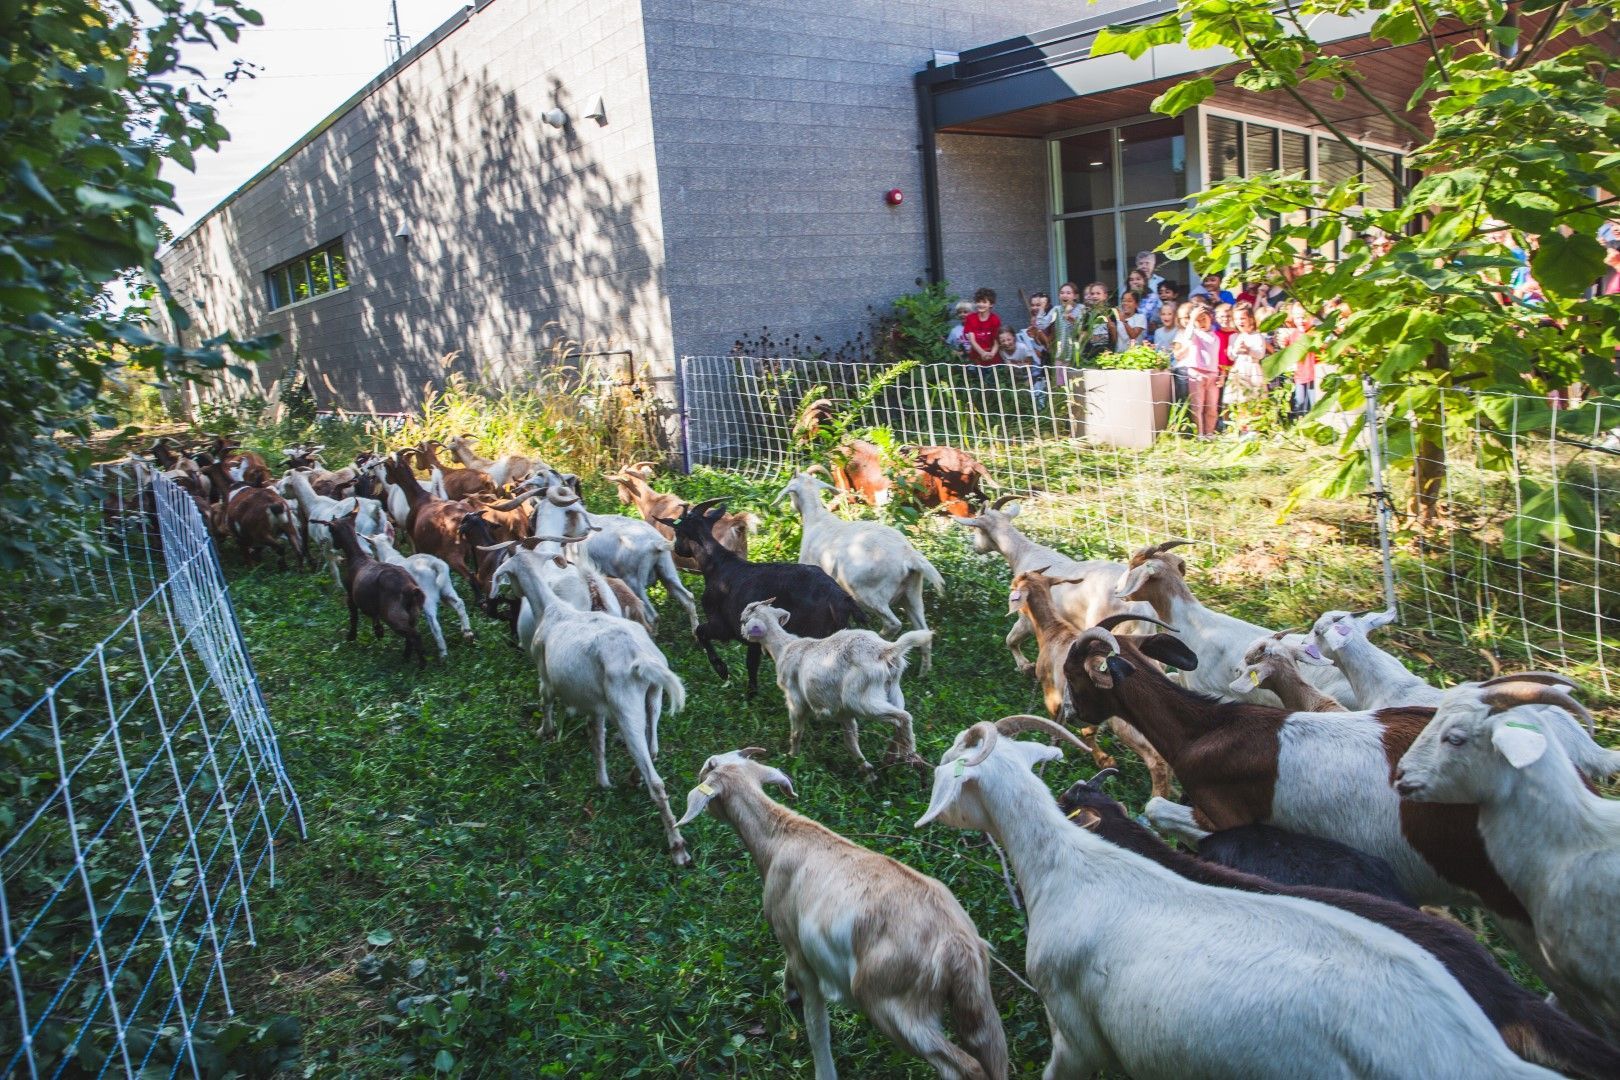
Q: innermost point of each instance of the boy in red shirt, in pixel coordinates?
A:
(981, 327)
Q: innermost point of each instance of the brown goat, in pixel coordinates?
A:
(385, 592)
(1054, 637)
(256, 516)
(458, 483)
(655, 507)
(946, 478)
(941, 477)
(255, 472)
(433, 523)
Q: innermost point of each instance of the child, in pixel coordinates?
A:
(1013, 351)
(1099, 336)
(1040, 332)
(957, 338)
(1297, 326)
(1246, 379)
(1199, 351)
(1147, 300)
(981, 327)
(1164, 337)
(1126, 325)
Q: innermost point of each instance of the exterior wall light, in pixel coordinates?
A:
(555, 117)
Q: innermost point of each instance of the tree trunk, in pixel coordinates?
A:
(1429, 461)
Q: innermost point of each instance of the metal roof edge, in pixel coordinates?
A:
(417, 51)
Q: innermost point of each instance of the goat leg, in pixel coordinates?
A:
(354, 620)
(705, 636)
(755, 653)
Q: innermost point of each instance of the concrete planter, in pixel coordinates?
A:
(1126, 408)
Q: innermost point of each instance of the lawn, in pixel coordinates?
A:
(468, 900)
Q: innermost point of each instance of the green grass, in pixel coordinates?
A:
(533, 922)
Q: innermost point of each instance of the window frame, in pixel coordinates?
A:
(280, 282)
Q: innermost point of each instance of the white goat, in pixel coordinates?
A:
(317, 508)
(873, 562)
(622, 547)
(399, 507)
(433, 575)
(844, 677)
(1218, 640)
(1341, 638)
(577, 583)
(861, 928)
(1147, 973)
(508, 469)
(1082, 605)
(1554, 841)
(606, 669)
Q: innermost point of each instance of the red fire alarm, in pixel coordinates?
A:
(894, 196)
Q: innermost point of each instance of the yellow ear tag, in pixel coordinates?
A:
(1076, 812)
(1254, 676)
(706, 789)
(961, 767)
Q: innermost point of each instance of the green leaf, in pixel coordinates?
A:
(1567, 265)
(1133, 41)
(380, 938)
(1178, 99)
(23, 171)
(444, 1061)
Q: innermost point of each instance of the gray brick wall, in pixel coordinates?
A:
(994, 213)
(525, 241)
(779, 127)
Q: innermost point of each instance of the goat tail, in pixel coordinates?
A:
(1542, 1033)
(657, 672)
(911, 639)
(930, 575)
(974, 1015)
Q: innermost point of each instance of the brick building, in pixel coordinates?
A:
(640, 179)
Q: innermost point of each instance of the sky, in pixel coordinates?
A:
(311, 56)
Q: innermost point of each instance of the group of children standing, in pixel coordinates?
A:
(1211, 341)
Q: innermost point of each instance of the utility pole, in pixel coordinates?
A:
(396, 41)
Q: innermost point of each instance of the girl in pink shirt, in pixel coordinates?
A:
(1199, 349)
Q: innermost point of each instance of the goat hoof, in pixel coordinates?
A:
(680, 856)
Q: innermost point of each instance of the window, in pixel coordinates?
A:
(1106, 186)
(315, 273)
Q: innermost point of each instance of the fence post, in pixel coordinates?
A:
(686, 417)
(1383, 506)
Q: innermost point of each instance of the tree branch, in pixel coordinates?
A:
(1543, 34)
(1428, 36)
(1354, 80)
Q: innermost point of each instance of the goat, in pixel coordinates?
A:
(246, 467)
(874, 562)
(452, 483)
(257, 517)
(432, 574)
(1341, 637)
(1532, 1028)
(314, 506)
(578, 583)
(337, 484)
(433, 524)
(622, 547)
(1083, 604)
(1287, 858)
(1218, 640)
(502, 472)
(391, 495)
(859, 927)
(1323, 774)
(1273, 664)
(817, 604)
(604, 668)
(1147, 973)
(1031, 599)
(657, 506)
(1554, 840)
(842, 677)
(383, 591)
(946, 478)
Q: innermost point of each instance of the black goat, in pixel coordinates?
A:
(384, 591)
(1532, 1028)
(817, 604)
(1291, 858)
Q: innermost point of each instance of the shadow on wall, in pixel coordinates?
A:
(523, 252)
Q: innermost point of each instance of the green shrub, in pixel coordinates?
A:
(1136, 358)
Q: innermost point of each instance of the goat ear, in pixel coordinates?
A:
(1134, 579)
(1171, 650)
(1520, 742)
(782, 619)
(697, 800)
(1086, 818)
(948, 782)
(780, 779)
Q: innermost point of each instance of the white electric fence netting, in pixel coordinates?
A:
(145, 794)
(1514, 556)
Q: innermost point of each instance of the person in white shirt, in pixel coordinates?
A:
(1172, 322)
(1126, 325)
(1013, 350)
(1247, 349)
(956, 339)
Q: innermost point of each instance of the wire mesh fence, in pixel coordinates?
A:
(141, 799)
(1511, 555)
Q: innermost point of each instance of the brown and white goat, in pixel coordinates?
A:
(657, 507)
(244, 465)
(1031, 597)
(1273, 664)
(1322, 774)
(433, 524)
(454, 483)
(386, 593)
(255, 516)
(503, 471)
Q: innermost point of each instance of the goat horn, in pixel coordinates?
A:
(1108, 622)
(1168, 544)
(986, 742)
(1280, 634)
(1505, 695)
(558, 495)
(1543, 678)
(1003, 500)
(698, 508)
(505, 546)
(1098, 633)
(817, 467)
(643, 465)
(754, 753)
(1102, 775)
(560, 539)
(1013, 725)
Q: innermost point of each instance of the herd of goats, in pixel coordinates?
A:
(1334, 799)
